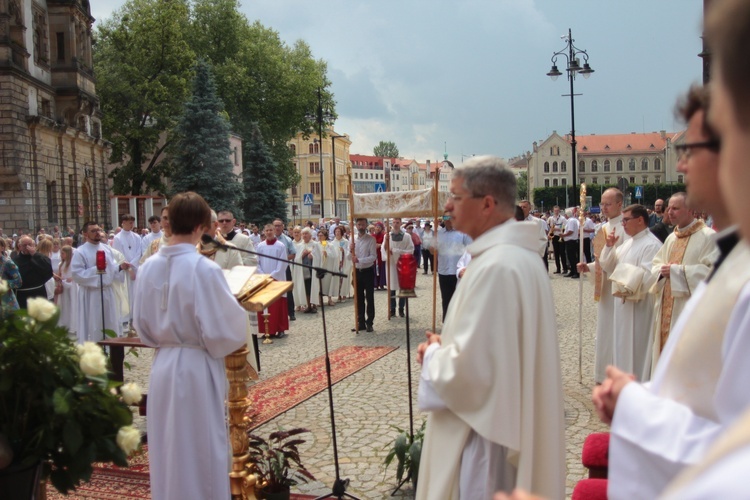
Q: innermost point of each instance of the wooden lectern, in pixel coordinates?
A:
(258, 293)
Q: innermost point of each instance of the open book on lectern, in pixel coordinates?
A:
(244, 282)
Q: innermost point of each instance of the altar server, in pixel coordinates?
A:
(278, 321)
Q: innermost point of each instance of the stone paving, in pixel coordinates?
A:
(369, 403)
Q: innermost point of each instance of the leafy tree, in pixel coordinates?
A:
(264, 198)
(386, 149)
(522, 184)
(202, 162)
(143, 65)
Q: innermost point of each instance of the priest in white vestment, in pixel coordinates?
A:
(395, 244)
(184, 309)
(95, 290)
(629, 268)
(131, 246)
(306, 287)
(678, 267)
(492, 381)
(611, 206)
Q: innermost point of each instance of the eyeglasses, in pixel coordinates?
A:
(686, 150)
(458, 198)
(447, 217)
(626, 219)
(225, 221)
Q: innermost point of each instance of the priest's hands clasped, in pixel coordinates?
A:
(605, 395)
(432, 338)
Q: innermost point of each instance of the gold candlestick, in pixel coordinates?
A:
(241, 478)
(266, 336)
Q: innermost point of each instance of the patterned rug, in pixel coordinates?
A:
(269, 398)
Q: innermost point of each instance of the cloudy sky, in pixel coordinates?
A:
(469, 76)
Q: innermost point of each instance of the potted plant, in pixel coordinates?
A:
(277, 462)
(407, 452)
(59, 412)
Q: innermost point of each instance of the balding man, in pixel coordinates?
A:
(35, 270)
(657, 214)
(492, 381)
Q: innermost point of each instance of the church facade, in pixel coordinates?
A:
(52, 155)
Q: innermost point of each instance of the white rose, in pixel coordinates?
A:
(3, 287)
(93, 363)
(89, 347)
(131, 393)
(41, 309)
(128, 439)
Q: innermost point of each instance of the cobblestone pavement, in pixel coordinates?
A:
(370, 402)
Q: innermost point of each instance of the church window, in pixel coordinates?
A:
(546, 167)
(554, 167)
(644, 164)
(563, 167)
(619, 165)
(594, 166)
(554, 182)
(546, 183)
(581, 166)
(657, 164)
(631, 164)
(607, 165)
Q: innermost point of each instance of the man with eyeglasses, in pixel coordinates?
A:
(227, 226)
(451, 245)
(93, 289)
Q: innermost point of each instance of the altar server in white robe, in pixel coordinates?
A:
(331, 259)
(395, 244)
(67, 301)
(193, 321)
(663, 426)
(345, 266)
(678, 267)
(306, 288)
(90, 292)
(629, 269)
(611, 206)
(492, 381)
(131, 246)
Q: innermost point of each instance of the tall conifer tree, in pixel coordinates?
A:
(202, 150)
(264, 200)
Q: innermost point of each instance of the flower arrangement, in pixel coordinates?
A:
(57, 405)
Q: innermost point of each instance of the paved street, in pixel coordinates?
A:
(370, 402)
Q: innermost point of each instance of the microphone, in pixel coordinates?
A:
(210, 242)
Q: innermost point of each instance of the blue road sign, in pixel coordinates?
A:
(639, 192)
(307, 199)
(380, 187)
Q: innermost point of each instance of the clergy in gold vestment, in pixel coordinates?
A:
(679, 266)
(492, 381)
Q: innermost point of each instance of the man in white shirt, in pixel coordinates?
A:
(364, 253)
(572, 251)
(556, 224)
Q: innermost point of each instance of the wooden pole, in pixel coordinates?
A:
(581, 259)
(354, 232)
(387, 240)
(435, 206)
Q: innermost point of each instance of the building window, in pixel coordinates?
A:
(315, 209)
(546, 167)
(236, 157)
(631, 165)
(294, 190)
(581, 166)
(606, 180)
(315, 187)
(594, 180)
(314, 167)
(293, 149)
(632, 180)
(607, 165)
(657, 164)
(546, 183)
(564, 181)
(554, 182)
(594, 166)
(644, 164)
(645, 179)
(657, 180)
(563, 167)
(680, 179)
(554, 167)
(52, 209)
(60, 38)
(619, 165)
(41, 41)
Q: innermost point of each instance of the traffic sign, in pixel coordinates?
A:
(639, 192)
(307, 199)
(380, 187)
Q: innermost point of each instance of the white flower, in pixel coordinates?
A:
(131, 393)
(3, 287)
(93, 363)
(41, 309)
(128, 439)
(88, 347)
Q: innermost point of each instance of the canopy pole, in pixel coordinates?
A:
(354, 232)
(435, 206)
(387, 241)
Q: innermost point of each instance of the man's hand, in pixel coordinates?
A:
(612, 239)
(665, 270)
(461, 273)
(583, 267)
(125, 265)
(605, 396)
(432, 338)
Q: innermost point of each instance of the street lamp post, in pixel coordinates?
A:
(333, 168)
(571, 53)
(321, 117)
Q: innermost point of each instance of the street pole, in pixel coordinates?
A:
(320, 143)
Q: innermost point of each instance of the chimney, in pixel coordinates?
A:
(663, 134)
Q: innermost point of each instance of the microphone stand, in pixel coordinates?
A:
(339, 485)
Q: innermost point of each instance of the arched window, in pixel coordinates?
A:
(554, 182)
(606, 165)
(657, 164)
(594, 166)
(293, 149)
(595, 180)
(581, 166)
(317, 148)
(546, 183)
(563, 167)
(619, 165)
(546, 167)
(564, 181)
(644, 164)
(554, 167)
(631, 164)
(310, 149)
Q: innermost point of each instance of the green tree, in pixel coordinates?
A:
(523, 186)
(386, 149)
(202, 150)
(143, 65)
(264, 198)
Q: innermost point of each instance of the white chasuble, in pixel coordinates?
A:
(184, 308)
(498, 372)
(698, 387)
(299, 273)
(628, 267)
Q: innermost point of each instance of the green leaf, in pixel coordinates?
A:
(110, 333)
(72, 437)
(61, 401)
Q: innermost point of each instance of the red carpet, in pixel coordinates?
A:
(269, 398)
